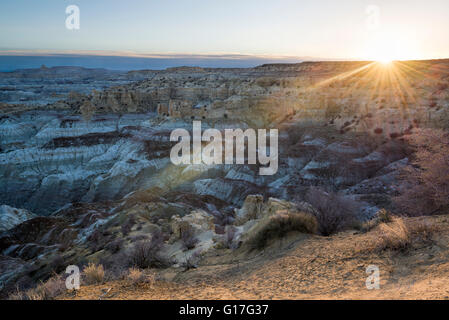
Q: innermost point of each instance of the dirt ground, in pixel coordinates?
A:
(301, 267)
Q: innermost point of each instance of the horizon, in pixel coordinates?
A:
(114, 61)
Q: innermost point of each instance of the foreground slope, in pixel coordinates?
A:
(302, 267)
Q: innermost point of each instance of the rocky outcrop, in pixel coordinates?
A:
(251, 209)
(199, 221)
(11, 217)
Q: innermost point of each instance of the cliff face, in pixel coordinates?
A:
(50, 159)
(353, 96)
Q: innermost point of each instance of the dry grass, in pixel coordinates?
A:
(93, 274)
(400, 234)
(47, 290)
(282, 223)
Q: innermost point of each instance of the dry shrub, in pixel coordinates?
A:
(425, 185)
(136, 276)
(47, 290)
(146, 253)
(282, 223)
(93, 274)
(334, 212)
(400, 235)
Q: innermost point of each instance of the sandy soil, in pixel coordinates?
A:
(301, 267)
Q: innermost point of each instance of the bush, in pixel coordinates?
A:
(282, 223)
(400, 235)
(146, 253)
(93, 274)
(334, 212)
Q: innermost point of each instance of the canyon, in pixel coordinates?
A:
(85, 170)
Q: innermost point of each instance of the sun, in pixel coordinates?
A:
(388, 47)
(382, 56)
(385, 61)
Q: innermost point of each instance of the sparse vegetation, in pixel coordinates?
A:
(47, 290)
(425, 184)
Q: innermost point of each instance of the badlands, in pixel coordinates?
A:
(86, 180)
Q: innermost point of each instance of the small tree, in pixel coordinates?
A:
(425, 184)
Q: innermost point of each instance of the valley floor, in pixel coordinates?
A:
(301, 267)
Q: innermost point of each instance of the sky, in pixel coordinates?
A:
(322, 29)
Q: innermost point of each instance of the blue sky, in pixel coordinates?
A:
(323, 29)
